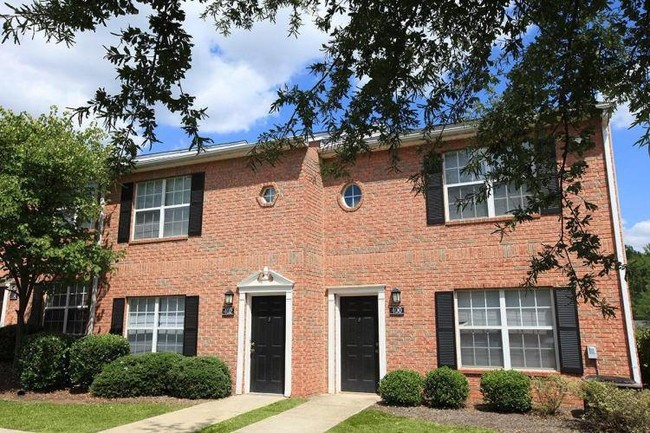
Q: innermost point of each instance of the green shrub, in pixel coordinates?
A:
(549, 393)
(643, 347)
(445, 388)
(42, 363)
(136, 375)
(506, 391)
(8, 340)
(401, 388)
(609, 409)
(89, 354)
(200, 377)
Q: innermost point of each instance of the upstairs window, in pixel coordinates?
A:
(66, 309)
(162, 208)
(460, 186)
(351, 196)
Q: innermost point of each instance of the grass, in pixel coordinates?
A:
(78, 418)
(253, 416)
(372, 420)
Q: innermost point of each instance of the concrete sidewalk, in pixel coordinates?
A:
(196, 417)
(318, 415)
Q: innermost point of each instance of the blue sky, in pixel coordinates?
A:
(237, 77)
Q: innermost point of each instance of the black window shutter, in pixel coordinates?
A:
(549, 152)
(445, 329)
(434, 195)
(126, 202)
(191, 326)
(568, 332)
(117, 317)
(196, 204)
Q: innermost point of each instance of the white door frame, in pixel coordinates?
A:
(264, 283)
(334, 329)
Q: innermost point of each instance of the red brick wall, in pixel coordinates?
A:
(308, 238)
(387, 241)
(239, 237)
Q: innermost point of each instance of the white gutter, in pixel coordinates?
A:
(185, 157)
(239, 149)
(449, 132)
(620, 247)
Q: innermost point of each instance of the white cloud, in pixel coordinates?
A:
(235, 77)
(622, 118)
(638, 235)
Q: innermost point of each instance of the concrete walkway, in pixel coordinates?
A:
(196, 417)
(318, 415)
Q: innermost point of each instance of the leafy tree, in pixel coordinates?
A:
(51, 178)
(528, 73)
(638, 277)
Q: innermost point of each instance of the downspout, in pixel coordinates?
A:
(620, 247)
(93, 296)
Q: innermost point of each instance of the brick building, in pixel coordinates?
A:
(312, 264)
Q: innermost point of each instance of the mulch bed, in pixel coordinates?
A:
(9, 391)
(506, 423)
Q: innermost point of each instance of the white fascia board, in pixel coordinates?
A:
(617, 225)
(179, 158)
(446, 133)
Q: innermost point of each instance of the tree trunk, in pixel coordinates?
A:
(20, 328)
(36, 311)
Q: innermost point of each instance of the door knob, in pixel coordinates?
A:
(252, 347)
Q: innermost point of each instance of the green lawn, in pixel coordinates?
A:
(372, 421)
(253, 416)
(78, 418)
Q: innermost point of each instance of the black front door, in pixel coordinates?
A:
(267, 344)
(359, 344)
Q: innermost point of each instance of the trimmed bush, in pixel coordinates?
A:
(609, 409)
(42, 363)
(643, 347)
(506, 391)
(90, 354)
(401, 388)
(445, 388)
(136, 375)
(200, 377)
(8, 340)
(549, 393)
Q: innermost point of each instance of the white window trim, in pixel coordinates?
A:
(67, 307)
(334, 295)
(5, 303)
(490, 196)
(505, 338)
(161, 209)
(156, 328)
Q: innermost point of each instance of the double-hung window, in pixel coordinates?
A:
(461, 189)
(156, 324)
(66, 309)
(506, 329)
(162, 208)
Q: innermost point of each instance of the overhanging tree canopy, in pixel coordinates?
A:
(51, 178)
(529, 72)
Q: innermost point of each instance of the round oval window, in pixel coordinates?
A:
(352, 196)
